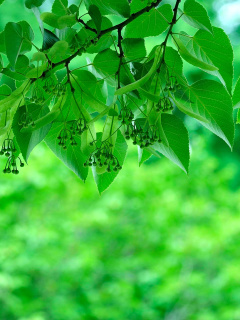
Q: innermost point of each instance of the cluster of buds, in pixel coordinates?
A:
(37, 96)
(64, 136)
(126, 115)
(103, 156)
(88, 42)
(144, 136)
(26, 120)
(164, 105)
(8, 149)
(51, 87)
(11, 165)
(59, 90)
(172, 84)
(77, 127)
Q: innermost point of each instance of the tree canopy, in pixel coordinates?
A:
(88, 113)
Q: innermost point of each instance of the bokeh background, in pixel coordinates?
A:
(158, 244)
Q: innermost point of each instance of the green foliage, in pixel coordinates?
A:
(196, 15)
(154, 236)
(124, 92)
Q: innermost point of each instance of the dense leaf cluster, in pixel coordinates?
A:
(86, 113)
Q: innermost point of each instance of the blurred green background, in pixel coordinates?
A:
(156, 245)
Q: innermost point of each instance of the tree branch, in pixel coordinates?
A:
(121, 55)
(119, 26)
(86, 26)
(130, 19)
(173, 22)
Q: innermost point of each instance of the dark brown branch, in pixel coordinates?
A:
(86, 26)
(116, 27)
(173, 22)
(130, 19)
(121, 55)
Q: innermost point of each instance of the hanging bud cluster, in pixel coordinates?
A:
(104, 156)
(26, 120)
(8, 149)
(172, 85)
(59, 90)
(51, 87)
(164, 105)
(88, 42)
(11, 165)
(126, 115)
(66, 135)
(144, 136)
(78, 126)
(37, 96)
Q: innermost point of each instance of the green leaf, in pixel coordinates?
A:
(74, 9)
(214, 49)
(4, 123)
(1, 62)
(176, 147)
(33, 3)
(134, 49)
(5, 91)
(149, 95)
(66, 21)
(22, 64)
(28, 36)
(110, 128)
(39, 56)
(13, 75)
(238, 117)
(96, 16)
(72, 156)
(104, 180)
(104, 42)
(27, 141)
(2, 42)
(236, 95)
(55, 21)
(50, 18)
(90, 95)
(13, 41)
(58, 51)
(151, 23)
(51, 116)
(36, 12)
(143, 155)
(118, 7)
(196, 15)
(37, 72)
(106, 62)
(60, 7)
(67, 34)
(137, 5)
(174, 65)
(209, 100)
(1, 2)
(14, 98)
(139, 83)
(190, 55)
(49, 39)
(89, 83)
